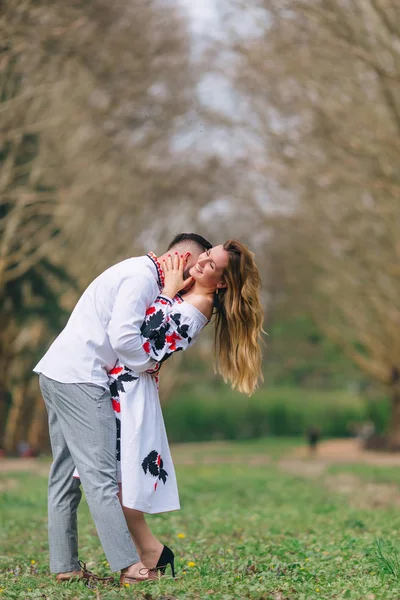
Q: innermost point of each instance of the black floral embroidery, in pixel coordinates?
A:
(181, 329)
(118, 439)
(154, 464)
(168, 354)
(118, 384)
(155, 328)
(152, 324)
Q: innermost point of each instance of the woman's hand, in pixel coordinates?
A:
(173, 275)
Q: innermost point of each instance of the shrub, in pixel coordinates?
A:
(204, 412)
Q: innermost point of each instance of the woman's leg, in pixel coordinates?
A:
(148, 547)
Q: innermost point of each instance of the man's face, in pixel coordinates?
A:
(193, 256)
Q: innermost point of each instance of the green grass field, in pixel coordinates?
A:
(246, 529)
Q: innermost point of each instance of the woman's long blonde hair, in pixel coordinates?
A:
(239, 321)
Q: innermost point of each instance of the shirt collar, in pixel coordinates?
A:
(157, 265)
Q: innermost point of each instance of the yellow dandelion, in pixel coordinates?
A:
(307, 559)
(29, 589)
(317, 589)
(181, 535)
(191, 564)
(33, 562)
(184, 572)
(229, 550)
(126, 584)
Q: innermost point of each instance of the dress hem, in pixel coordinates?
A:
(151, 512)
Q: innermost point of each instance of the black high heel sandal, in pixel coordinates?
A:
(167, 557)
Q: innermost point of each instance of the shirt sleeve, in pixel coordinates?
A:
(133, 297)
(165, 330)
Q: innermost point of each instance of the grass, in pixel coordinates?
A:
(245, 531)
(370, 473)
(388, 558)
(271, 448)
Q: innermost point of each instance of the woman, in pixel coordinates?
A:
(226, 282)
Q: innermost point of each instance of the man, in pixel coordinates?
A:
(104, 326)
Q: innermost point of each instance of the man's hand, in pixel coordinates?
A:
(173, 275)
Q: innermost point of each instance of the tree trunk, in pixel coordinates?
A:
(4, 396)
(38, 427)
(394, 427)
(14, 417)
(3, 411)
(7, 336)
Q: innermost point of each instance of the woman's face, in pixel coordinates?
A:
(210, 267)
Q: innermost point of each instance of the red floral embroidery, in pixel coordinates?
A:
(116, 405)
(155, 485)
(116, 370)
(150, 310)
(160, 272)
(161, 301)
(171, 339)
(146, 347)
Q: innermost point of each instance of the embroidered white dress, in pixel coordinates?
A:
(145, 466)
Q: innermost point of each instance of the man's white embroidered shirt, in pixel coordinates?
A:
(105, 326)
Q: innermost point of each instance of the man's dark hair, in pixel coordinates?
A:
(190, 237)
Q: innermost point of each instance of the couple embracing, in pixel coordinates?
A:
(99, 380)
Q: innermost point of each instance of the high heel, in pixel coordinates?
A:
(167, 557)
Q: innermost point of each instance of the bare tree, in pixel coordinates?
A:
(322, 80)
(93, 98)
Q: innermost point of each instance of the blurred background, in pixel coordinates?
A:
(274, 121)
